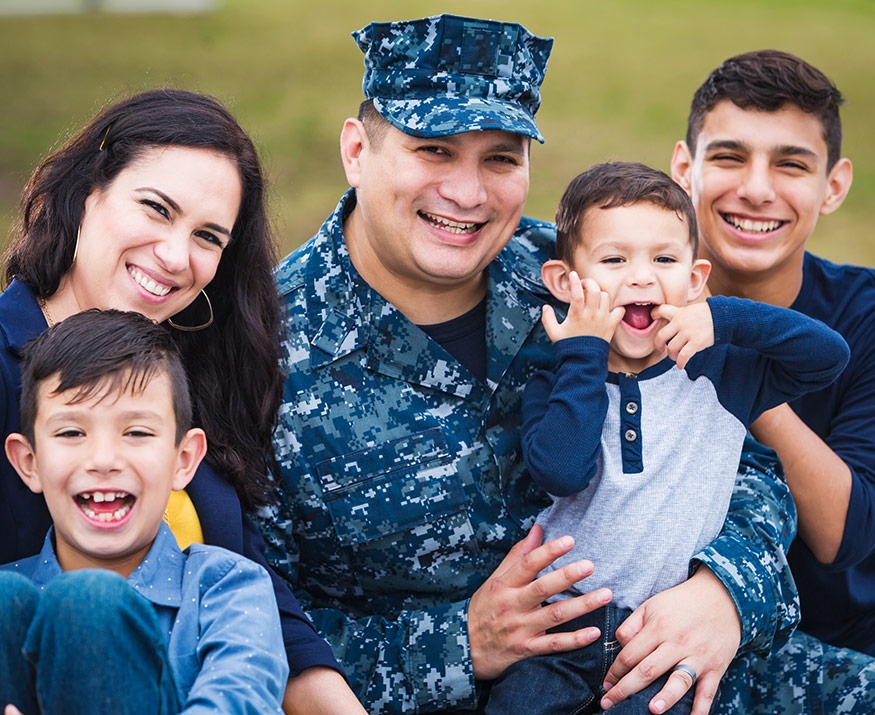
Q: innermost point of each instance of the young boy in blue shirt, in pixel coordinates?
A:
(640, 457)
(111, 617)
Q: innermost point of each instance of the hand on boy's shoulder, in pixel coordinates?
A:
(689, 329)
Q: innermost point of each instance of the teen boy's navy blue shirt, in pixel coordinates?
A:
(838, 600)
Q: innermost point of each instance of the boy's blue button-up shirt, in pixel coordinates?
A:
(218, 615)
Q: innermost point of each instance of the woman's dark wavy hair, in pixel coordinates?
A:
(233, 364)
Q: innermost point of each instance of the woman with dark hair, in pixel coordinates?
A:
(238, 289)
(158, 206)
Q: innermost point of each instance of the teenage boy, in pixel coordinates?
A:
(412, 326)
(627, 268)
(111, 617)
(762, 162)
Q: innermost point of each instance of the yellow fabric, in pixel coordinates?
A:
(182, 518)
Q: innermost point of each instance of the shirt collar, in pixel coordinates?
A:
(158, 578)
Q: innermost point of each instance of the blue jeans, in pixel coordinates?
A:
(87, 643)
(571, 683)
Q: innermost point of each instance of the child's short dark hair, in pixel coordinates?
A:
(767, 81)
(614, 184)
(100, 352)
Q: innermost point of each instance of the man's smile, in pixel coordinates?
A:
(446, 224)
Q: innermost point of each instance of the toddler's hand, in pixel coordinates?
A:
(589, 312)
(689, 330)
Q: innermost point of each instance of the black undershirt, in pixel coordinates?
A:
(464, 338)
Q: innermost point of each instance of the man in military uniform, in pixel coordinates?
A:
(413, 323)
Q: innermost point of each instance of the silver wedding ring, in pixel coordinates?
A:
(685, 669)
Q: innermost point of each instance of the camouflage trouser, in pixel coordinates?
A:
(805, 677)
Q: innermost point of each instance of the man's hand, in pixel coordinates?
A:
(689, 330)
(589, 312)
(507, 620)
(694, 623)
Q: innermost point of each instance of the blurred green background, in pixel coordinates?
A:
(618, 85)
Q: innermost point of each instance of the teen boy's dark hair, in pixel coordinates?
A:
(614, 184)
(766, 81)
(99, 353)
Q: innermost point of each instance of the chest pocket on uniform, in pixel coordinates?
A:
(391, 487)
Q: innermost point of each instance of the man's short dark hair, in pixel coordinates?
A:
(97, 353)
(767, 81)
(615, 184)
(375, 124)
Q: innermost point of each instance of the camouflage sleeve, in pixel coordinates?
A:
(749, 555)
(420, 662)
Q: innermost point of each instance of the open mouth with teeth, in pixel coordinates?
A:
(148, 284)
(105, 507)
(638, 316)
(750, 226)
(456, 227)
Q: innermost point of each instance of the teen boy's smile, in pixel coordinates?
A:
(106, 466)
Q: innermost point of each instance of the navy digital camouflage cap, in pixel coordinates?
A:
(448, 74)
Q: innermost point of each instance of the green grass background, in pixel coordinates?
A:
(618, 85)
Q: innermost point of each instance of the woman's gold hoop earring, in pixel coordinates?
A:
(195, 328)
(76, 249)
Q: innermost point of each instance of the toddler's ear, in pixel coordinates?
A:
(698, 279)
(22, 457)
(555, 276)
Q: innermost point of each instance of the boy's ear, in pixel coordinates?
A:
(682, 166)
(698, 279)
(554, 273)
(838, 185)
(191, 450)
(23, 458)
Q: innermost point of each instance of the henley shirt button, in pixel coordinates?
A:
(630, 435)
(631, 407)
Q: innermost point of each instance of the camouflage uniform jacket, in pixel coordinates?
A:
(402, 485)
